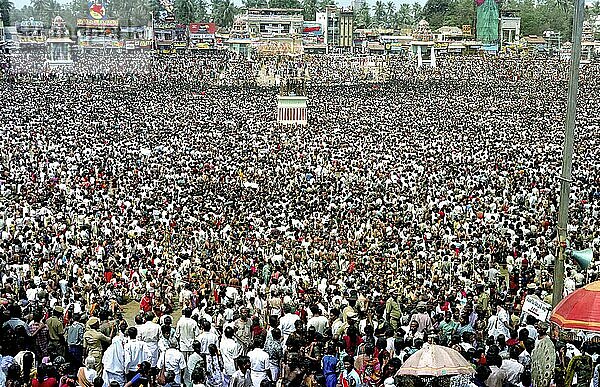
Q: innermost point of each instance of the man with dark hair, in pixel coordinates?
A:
(230, 350)
(260, 368)
(318, 321)
(241, 377)
(74, 338)
(186, 332)
(136, 352)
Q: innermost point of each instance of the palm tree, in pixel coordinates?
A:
(403, 16)
(185, 11)
(417, 12)
(6, 7)
(46, 10)
(223, 12)
(378, 12)
(363, 16)
(390, 11)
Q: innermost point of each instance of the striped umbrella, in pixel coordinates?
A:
(436, 360)
(580, 309)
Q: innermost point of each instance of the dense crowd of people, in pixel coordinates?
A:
(413, 211)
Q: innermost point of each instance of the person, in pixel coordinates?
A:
(543, 357)
(74, 339)
(173, 360)
(114, 363)
(92, 344)
(242, 330)
(207, 338)
(512, 367)
(260, 367)
(141, 377)
(56, 331)
(230, 350)
(87, 374)
(349, 376)
(186, 333)
(422, 318)
(274, 349)
(195, 360)
(287, 323)
(150, 333)
(241, 377)
(170, 379)
(43, 379)
(135, 352)
(318, 321)
(214, 367)
(329, 367)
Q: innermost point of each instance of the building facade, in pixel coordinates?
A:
(269, 22)
(337, 25)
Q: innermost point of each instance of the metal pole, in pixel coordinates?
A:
(565, 178)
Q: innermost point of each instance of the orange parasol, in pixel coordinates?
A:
(580, 309)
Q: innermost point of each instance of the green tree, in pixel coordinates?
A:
(6, 8)
(404, 16)
(309, 9)
(285, 4)
(461, 12)
(416, 13)
(46, 10)
(363, 16)
(255, 3)
(390, 14)
(223, 12)
(185, 11)
(437, 12)
(201, 14)
(379, 13)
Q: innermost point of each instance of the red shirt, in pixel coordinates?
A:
(50, 382)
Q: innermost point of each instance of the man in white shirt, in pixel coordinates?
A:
(318, 321)
(259, 362)
(136, 352)
(207, 338)
(186, 332)
(498, 323)
(230, 350)
(150, 333)
(287, 323)
(512, 367)
(173, 360)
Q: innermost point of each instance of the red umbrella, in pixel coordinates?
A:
(580, 309)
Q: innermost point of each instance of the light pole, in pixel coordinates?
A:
(565, 178)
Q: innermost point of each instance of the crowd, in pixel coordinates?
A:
(413, 211)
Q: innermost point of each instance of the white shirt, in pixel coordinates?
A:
(230, 350)
(320, 323)
(513, 370)
(174, 361)
(287, 324)
(259, 364)
(186, 332)
(135, 353)
(205, 339)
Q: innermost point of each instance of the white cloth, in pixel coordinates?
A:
(287, 324)
(149, 332)
(186, 332)
(230, 350)
(259, 364)
(136, 352)
(174, 361)
(206, 339)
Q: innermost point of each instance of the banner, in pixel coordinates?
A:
(97, 9)
(102, 23)
(537, 308)
(312, 29)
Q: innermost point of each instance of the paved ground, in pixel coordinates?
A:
(131, 310)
